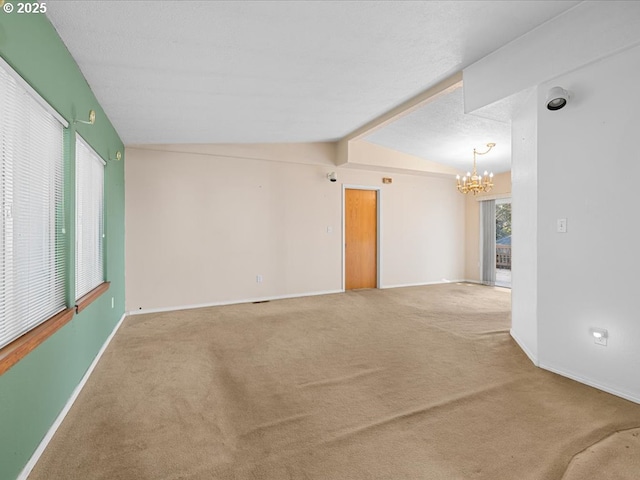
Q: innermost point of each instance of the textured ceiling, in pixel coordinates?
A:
(441, 129)
(285, 71)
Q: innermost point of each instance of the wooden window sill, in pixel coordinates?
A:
(84, 301)
(22, 346)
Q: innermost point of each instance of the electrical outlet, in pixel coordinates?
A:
(258, 278)
(600, 336)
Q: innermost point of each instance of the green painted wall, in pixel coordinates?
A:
(34, 391)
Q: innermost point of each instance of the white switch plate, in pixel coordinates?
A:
(329, 229)
(562, 225)
(259, 278)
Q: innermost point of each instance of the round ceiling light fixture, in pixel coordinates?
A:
(557, 98)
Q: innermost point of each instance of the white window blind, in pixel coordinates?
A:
(89, 218)
(32, 254)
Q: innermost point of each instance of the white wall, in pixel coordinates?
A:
(524, 242)
(563, 284)
(589, 31)
(587, 169)
(202, 222)
(423, 230)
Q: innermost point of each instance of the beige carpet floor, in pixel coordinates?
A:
(419, 383)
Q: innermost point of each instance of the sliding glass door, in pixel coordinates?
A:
(495, 239)
(503, 243)
(488, 241)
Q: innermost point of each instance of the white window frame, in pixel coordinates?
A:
(89, 218)
(32, 237)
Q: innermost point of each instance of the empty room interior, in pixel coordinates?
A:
(319, 240)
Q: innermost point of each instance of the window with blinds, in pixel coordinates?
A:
(32, 240)
(89, 218)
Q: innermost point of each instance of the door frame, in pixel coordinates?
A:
(378, 191)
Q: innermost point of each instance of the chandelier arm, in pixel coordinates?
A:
(490, 145)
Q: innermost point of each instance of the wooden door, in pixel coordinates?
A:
(361, 238)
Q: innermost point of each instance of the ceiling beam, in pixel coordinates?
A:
(442, 88)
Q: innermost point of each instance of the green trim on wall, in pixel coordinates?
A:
(34, 391)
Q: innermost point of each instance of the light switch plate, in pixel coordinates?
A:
(562, 225)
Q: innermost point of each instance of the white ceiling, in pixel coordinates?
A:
(441, 130)
(291, 71)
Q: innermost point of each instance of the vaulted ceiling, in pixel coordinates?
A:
(291, 71)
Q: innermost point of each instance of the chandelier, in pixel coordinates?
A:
(474, 183)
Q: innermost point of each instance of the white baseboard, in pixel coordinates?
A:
(626, 395)
(47, 438)
(421, 284)
(142, 311)
(523, 347)
(478, 282)
(230, 302)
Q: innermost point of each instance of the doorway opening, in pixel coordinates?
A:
(503, 243)
(495, 221)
